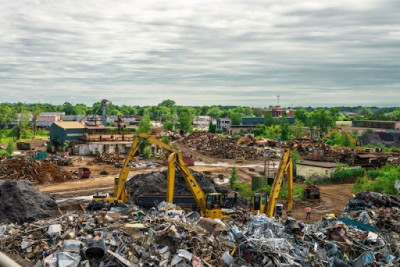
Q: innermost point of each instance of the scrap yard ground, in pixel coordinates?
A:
(56, 221)
(331, 201)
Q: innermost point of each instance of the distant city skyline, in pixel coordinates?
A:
(310, 53)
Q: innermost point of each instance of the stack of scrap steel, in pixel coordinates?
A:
(308, 149)
(167, 236)
(376, 209)
(107, 158)
(214, 145)
(33, 170)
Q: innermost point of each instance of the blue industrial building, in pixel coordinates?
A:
(260, 120)
(62, 131)
(252, 120)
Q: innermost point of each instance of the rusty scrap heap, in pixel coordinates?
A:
(35, 171)
(108, 158)
(214, 145)
(167, 236)
(314, 149)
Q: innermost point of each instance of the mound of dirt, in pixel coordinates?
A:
(156, 183)
(33, 170)
(387, 139)
(21, 202)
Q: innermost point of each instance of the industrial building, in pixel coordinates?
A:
(66, 131)
(260, 120)
(223, 123)
(278, 111)
(86, 139)
(314, 170)
(390, 125)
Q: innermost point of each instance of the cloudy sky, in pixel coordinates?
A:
(233, 52)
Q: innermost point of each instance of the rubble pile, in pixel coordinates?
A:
(21, 202)
(214, 145)
(156, 183)
(307, 146)
(167, 236)
(108, 158)
(33, 170)
(376, 209)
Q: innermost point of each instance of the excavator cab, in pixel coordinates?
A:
(278, 210)
(258, 203)
(214, 203)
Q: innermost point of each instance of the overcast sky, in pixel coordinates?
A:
(234, 52)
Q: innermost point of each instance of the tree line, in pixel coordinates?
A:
(175, 116)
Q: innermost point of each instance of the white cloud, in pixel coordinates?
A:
(201, 52)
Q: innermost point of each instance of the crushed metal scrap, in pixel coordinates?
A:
(33, 170)
(214, 145)
(167, 236)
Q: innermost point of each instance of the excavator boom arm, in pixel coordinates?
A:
(351, 139)
(284, 166)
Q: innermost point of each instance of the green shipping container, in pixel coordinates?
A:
(258, 183)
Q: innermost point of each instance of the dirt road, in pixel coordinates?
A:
(333, 200)
(98, 183)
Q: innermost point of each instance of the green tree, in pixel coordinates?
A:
(233, 178)
(335, 114)
(7, 114)
(214, 112)
(365, 112)
(298, 129)
(212, 128)
(147, 152)
(396, 114)
(236, 118)
(269, 119)
(301, 115)
(273, 132)
(144, 125)
(21, 125)
(167, 103)
(10, 147)
(285, 134)
(322, 119)
(36, 110)
(258, 112)
(168, 125)
(185, 120)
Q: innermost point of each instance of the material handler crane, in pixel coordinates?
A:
(259, 201)
(357, 147)
(210, 204)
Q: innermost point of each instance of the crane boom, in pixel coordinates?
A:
(351, 139)
(210, 204)
(285, 165)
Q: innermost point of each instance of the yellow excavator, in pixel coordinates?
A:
(210, 204)
(356, 144)
(261, 204)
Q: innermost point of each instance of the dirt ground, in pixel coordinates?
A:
(99, 183)
(333, 200)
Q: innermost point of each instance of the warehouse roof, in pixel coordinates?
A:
(322, 164)
(71, 124)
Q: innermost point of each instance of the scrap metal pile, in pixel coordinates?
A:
(307, 146)
(33, 170)
(108, 158)
(167, 236)
(379, 210)
(214, 145)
